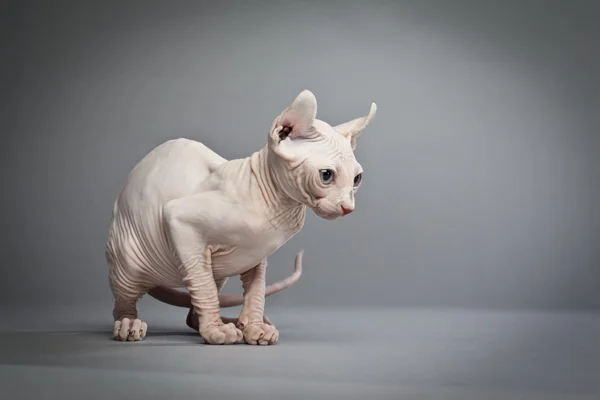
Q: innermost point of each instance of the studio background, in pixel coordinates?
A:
(481, 168)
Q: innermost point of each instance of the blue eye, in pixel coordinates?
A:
(357, 179)
(326, 176)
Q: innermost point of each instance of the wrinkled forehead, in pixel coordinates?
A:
(336, 146)
(334, 136)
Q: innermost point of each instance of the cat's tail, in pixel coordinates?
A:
(182, 299)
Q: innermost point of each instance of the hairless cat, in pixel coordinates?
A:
(188, 218)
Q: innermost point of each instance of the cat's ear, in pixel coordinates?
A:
(296, 121)
(353, 129)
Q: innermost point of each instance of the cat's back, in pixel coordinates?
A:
(171, 170)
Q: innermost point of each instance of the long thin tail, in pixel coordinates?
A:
(182, 299)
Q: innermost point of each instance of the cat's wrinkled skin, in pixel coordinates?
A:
(186, 217)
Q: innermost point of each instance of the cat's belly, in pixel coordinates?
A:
(143, 254)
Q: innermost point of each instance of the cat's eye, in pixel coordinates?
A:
(326, 176)
(357, 179)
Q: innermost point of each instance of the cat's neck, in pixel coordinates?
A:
(278, 203)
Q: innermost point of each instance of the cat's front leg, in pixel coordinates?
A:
(251, 320)
(195, 258)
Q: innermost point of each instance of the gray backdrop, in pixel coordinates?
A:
(481, 168)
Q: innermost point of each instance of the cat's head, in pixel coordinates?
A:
(314, 162)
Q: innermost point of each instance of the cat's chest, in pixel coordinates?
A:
(266, 239)
(253, 244)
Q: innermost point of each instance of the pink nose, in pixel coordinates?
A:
(346, 211)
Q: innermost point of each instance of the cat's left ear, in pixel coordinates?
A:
(353, 129)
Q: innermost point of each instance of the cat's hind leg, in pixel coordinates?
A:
(126, 294)
(127, 326)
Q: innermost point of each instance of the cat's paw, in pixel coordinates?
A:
(260, 334)
(192, 320)
(129, 330)
(222, 334)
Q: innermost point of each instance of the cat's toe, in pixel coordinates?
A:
(129, 330)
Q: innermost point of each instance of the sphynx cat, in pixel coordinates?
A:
(188, 218)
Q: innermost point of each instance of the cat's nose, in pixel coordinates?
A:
(346, 211)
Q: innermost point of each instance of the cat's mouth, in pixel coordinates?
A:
(327, 215)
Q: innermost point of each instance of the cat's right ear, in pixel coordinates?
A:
(295, 122)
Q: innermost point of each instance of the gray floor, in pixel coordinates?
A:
(330, 354)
